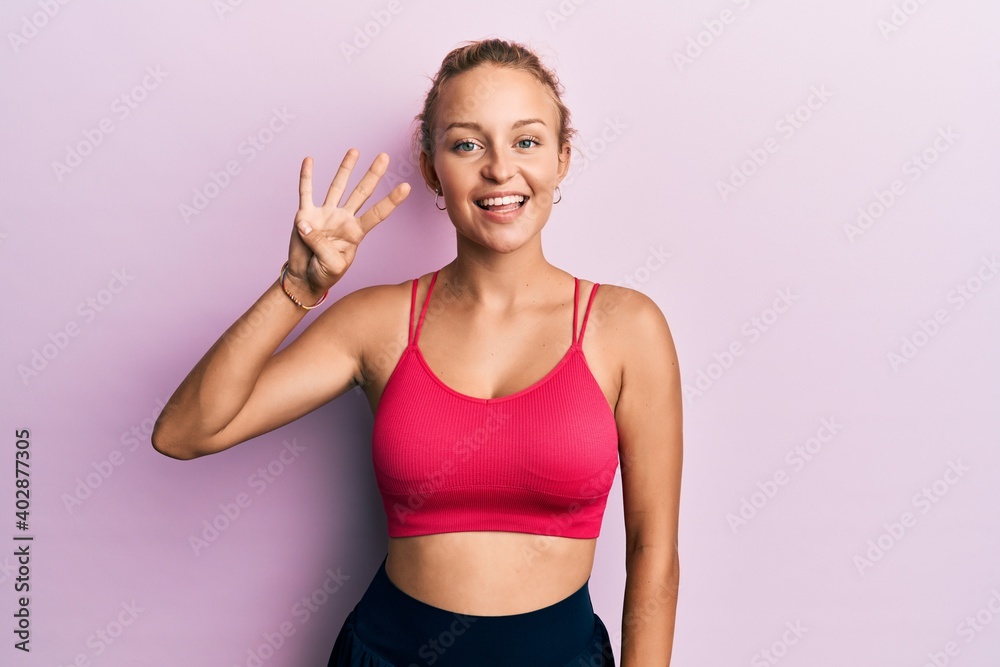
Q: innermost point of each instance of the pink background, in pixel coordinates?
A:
(659, 135)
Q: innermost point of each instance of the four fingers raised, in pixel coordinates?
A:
(366, 186)
(383, 207)
(362, 191)
(339, 183)
(305, 183)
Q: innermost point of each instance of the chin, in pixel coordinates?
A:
(500, 243)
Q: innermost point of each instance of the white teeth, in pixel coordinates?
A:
(501, 201)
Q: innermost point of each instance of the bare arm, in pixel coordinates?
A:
(241, 388)
(650, 434)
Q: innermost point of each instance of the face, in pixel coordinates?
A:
(496, 135)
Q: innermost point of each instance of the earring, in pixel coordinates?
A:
(438, 194)
(560, 195)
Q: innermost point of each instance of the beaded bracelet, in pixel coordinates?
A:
(284, 270)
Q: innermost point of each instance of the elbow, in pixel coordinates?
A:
(171, 448)
(173, 451)
(177, 454)
(666, 560)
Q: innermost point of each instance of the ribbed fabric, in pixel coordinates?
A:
(541, 460)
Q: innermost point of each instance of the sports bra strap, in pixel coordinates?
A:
(413, 306)
(414, 336)
(576, 297)
(586, 313)
(423, 310)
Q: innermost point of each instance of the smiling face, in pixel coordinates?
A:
(497, 157)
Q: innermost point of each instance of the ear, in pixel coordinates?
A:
(565, 153)
(427, 170)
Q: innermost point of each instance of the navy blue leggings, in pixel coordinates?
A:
(388, 628)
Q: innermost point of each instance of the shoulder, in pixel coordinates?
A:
(625, 309)
(631, 323)
(369, 302)
(375, 320)
(373, 303)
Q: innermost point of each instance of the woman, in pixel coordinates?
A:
(500, 423)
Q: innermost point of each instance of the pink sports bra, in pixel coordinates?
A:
(541, 460)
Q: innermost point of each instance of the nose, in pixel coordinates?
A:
(499, 166)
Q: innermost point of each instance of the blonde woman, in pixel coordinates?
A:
(500, 426)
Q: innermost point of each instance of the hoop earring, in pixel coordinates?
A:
(436, 195)
(560, 195)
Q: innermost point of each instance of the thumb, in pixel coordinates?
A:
(303, 242)
(318, 252)
(308, 236)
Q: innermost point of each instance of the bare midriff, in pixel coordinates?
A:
(489, 573)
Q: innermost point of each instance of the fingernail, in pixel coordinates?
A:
(304, 227)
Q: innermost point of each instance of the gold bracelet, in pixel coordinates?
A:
(284, 270)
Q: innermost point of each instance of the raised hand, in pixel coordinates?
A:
(325, 238)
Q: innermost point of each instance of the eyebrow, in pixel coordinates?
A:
(479, 128)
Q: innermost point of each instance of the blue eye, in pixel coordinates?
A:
(465, 143)
(522, 141)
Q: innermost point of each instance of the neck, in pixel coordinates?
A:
(497, 281)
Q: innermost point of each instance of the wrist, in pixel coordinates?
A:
(298, 291)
